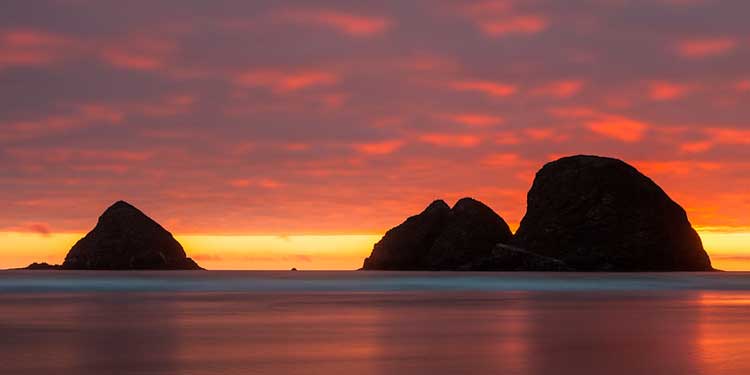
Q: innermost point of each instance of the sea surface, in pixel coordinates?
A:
(246, 322)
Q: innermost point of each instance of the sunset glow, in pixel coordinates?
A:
(272, 136)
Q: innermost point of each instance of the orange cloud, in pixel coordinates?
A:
(619, 128)
(729, 136)
(265, 183)
(502, 160)
(560, 89)
(286, 82)
(346, 23)
(726, 136)
(495, 89)
(705, 47)
(475, 120)
(451, 140)
(519, 25)
(379, 148)
(674, 167)
(696, 147)
(664, 91)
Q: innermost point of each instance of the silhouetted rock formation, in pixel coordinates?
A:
(126, 239)
(440, 238)
(43, 266)
(601, 214)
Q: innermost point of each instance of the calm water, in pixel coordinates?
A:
(373, 323)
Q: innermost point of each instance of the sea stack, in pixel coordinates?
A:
(440, 238)
(126, 239)
(601, 214)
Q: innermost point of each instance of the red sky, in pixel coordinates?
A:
(340, 117)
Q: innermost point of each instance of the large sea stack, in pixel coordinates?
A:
(440, 238)
(601, 214)
(126, 239)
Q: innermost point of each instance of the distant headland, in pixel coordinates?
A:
(584, 213)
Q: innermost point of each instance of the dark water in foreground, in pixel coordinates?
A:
(373, 323)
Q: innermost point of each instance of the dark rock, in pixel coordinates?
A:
(601, 214)
(471, 231)
(293, 269)
(440, 238)
(126, 239)
(509, 258)
(43, 266)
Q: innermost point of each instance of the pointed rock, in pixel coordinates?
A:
(440, 238)
(124, 239)
(470, 233)
(407, 246)
(601, 214)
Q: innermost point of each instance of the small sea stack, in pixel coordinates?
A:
(601, 214)
(126, 239)
(440, 238)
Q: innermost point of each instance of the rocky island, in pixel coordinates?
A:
(125, 239)
(441, 238)
(584, 213)
(601, 214)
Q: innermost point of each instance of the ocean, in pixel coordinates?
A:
(253, 322)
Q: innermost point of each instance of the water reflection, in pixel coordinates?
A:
(376, 333)
(723, 332)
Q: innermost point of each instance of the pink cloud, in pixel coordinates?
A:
(489, 88)
(379, 148)
(138, 53)
(514, 25)
(743, 86)
(346, 23)
(24, 47)
(286, 82)
(507, 138)
(296, 146)
(572, 112)
(546, 134)
(81, 116)
(619, 128)
(475, 119)
(169, 105)
(560, 89)
(500, 18)
(74, 156)
(665, 91)
(451, 140)
(705, 47)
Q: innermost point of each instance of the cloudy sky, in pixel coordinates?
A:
(290, 118)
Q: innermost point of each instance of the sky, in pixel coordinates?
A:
(279, 134)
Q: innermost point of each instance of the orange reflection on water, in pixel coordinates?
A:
(723, 337)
